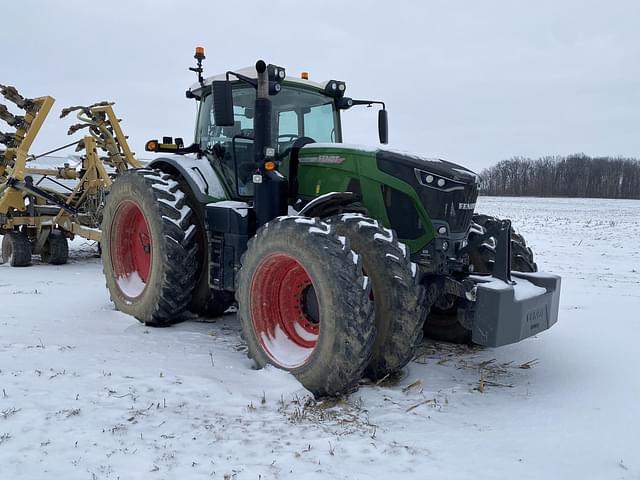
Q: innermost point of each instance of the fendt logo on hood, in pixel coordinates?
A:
(451, 211)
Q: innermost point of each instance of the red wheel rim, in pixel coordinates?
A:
(284, 310)
(130, 249)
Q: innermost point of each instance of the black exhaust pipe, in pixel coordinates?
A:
(271, 186)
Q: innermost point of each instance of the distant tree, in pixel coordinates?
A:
(576, 175)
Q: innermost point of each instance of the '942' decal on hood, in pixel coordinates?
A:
(330, 159)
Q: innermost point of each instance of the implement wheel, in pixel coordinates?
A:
(148, 247)
(399, 299)
(304, 304)
(442, 323)
(16, 249)
(56, 249)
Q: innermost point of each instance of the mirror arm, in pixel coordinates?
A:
(369, 103)
(251, 81)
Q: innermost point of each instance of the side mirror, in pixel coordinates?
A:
(383, 126)
(222, 103)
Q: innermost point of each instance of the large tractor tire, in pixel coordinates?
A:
(442, 323)
(56, 249)
(16, 249)
(204, 301)
(399, 299)
(304, 304)
(148, 247)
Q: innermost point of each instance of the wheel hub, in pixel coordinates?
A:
(131, 249)
(285, 310)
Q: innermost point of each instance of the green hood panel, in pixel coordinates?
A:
(326, 168)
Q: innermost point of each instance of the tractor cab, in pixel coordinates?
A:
(234, 118)
(300, 114)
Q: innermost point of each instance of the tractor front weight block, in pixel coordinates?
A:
(505, 313)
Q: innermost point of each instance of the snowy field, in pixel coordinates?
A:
(89, 393)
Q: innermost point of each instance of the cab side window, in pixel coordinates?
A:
(288, 123)
(318, 122)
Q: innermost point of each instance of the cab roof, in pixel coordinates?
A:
(251, 73)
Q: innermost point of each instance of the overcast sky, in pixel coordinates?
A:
(470, 81)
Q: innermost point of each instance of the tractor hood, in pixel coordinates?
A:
(436, 166)
(420, 194)
(447, 191)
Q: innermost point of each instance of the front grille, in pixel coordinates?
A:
(402, 214)
(455, 208)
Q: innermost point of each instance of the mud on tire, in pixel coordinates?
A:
(304, 304)
(399, 299)
(148, 247)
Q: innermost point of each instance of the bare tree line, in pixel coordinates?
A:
(572, 176)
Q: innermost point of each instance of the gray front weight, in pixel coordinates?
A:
(504, 313)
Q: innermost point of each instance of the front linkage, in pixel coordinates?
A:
(504, 306)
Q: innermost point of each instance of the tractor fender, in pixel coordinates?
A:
(333, 203)
(198, 173)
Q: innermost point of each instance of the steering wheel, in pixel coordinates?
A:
(292, 137)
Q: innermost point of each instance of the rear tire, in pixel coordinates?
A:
(304, 304)
(204, 300)
(16, 249)
(56, 249)
(148, 247)
(442, 324)
(399, 304)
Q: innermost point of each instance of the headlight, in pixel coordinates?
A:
(439, 182)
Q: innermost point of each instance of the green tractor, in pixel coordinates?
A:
(335, 254)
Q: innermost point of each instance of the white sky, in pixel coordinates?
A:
(470, 81)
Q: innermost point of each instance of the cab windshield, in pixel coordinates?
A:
(295, 113)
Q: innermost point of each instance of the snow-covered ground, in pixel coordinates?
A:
(89, 393)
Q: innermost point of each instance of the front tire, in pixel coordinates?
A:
(399, 299)
(521, 254)
(304, 304)
(148, 247)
